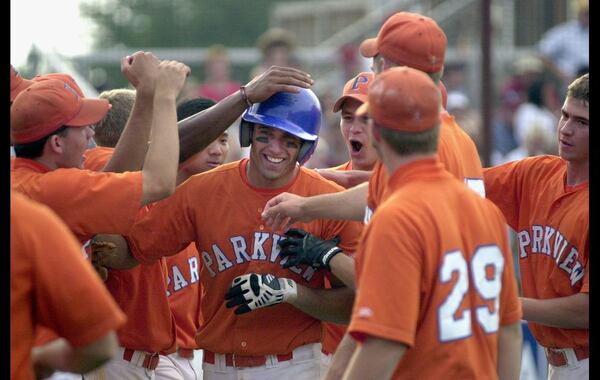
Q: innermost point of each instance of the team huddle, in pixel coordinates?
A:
(129, 257)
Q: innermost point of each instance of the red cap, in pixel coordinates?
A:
(444, 94)
(356, 88)
(409, 39)
(403, 99)
(17, 83)
(48, 105)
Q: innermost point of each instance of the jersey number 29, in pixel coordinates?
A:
(451, 328)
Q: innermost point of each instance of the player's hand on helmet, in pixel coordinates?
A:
(252, 291)
(276, 79)
(301, 247)
(284, 210)
(141, 69)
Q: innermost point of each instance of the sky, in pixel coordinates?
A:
(58, 27)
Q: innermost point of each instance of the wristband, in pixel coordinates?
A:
(244, 96)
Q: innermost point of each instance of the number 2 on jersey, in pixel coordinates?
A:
(451, 328)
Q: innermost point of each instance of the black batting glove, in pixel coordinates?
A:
(301, 247)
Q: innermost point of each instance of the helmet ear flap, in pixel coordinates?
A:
(306, 151)
(246, 130)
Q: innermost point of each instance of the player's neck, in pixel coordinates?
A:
(393, 161)
(47, 162)
(577, 172)
(259, 181)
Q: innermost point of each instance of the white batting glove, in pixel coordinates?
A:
(253, 291)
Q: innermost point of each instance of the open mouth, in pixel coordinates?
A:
(356, 146)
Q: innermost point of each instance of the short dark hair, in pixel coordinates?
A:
(406, 143)
(35, 149)
(193, 106)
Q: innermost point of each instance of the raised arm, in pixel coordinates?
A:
(140, 69)
(160, 165)
(198, 131)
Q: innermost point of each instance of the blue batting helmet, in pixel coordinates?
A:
(296, 113)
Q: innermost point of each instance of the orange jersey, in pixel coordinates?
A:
(140, 292)
(88, 202)
(96, 158)
(552, 225)
(51, 285)
(220, 211)
(183, 290)
(456, 151)
(435, 272)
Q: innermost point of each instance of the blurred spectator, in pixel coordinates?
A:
(217, 84)
(533, 112)
(454, 78)
(537, 140)
(564, 49)
(468, 118)
(277, 48)
(526, 70)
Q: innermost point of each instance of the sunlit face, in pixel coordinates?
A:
(73, 142)
(273, 157)
(354, 130)
(573, 131)
(210, 157)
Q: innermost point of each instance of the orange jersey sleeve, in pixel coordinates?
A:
(52, 285)
(551, 221)
(414, 265)
(88, 202)
(96, 158)
(220, 212)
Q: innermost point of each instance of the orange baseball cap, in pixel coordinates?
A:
(404, 99)
(48, 105)
(356, 88)
(409, 39)
(17, 83)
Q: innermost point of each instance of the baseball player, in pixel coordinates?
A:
(152, 332)
(220, 212)
(545, 200)
(434, 266)
(55, 291)
(404, 39)
(49, 156)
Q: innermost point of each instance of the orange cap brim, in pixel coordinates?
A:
(362, 110)
(338, 104)
(91, 112)
(368, 48)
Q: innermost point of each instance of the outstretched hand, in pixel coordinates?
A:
(301, 247)
(253, 291)
(284, 210)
